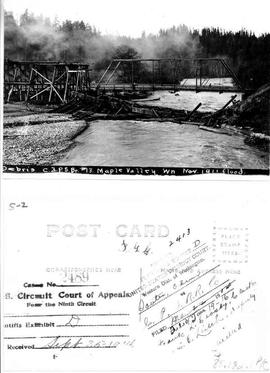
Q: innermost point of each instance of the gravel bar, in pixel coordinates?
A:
(38, 138)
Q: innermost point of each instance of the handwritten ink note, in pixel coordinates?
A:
(97, 284)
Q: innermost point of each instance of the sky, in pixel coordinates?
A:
(131, 17)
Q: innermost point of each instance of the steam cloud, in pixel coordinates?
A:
(36, 38)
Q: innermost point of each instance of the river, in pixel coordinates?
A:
(145, 144)
(188, 100)
(155, 144)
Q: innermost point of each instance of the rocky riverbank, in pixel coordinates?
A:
(32, 135)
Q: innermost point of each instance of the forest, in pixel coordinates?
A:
(36, 38)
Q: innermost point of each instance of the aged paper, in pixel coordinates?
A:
(132, 275)
(134, 186)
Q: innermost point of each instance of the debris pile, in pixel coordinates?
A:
(90, 108)
(251, 116)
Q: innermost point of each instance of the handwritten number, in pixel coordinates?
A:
(147, 250)
(180, 237)
(136, 248)
(124, 244)
(14, 205)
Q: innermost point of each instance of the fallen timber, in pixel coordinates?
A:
(215, 130)
(212, 119)
(91, 108)
(234, 118)
(147, 99)
(104, 107)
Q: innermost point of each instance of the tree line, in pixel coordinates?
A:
(37, 38)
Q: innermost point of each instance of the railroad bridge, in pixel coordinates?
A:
(177, 74)
(54, 82)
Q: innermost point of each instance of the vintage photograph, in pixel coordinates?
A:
(176, 84)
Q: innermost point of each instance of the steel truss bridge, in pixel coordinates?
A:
(54, 82)
(168, 74)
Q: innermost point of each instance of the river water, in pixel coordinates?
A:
(188, 100)
(155, 144)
